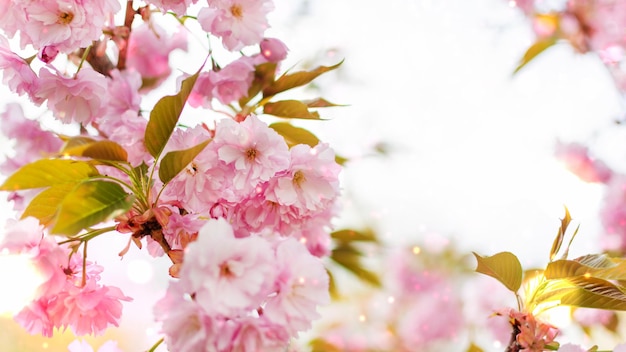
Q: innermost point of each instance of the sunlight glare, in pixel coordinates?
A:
(23, 279)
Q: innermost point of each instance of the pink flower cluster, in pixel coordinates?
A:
(249, 176)
(241, 294)
(597, 26)
(65, 298)
(532, 334)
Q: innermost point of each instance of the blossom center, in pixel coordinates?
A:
(225, 271)
(251, 154)
(192, 169)
(236, 11)
(66, 17)
(298, 178)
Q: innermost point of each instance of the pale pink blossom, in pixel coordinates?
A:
(251, 334)
(613, 214)
(227, 84)
(227, 274)
(311, 183)
(31, 142)
(67, 25)
(179, 7)
(187, 327)
(34, 318)
(16, 72)
(273, 50)
(238, 22)
(620, 348)
(123, 91)
(129, 132)
(205, 180)
(301, 286)
(89, 309)
(149, 47)
(27, 237)
(74, 99)
(84, 346)
(578, 160)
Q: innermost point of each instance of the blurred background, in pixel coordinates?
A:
(446, 145)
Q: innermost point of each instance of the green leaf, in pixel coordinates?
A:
(295, 135)
(598, 266)
(44, 206)
(49, 172)
(321, 345)
(290, 109)
(504, 267)
(165, 115)
(319, 103)
(591, 292)
(296, 79)
(90, 203)
(263, 76)
(556, 245)
(537, 48)
(474, 348)
(352, 235)
(75, 142)
(175, 161)
(350, 258)
(106, 150)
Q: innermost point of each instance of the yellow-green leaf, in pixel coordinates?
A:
(88, 204)
(296, 79)
(175, 161)
(49, 172)
(106, 150)
(537, 48)
(295, 135)
(598, 266)
(349, 257)
(556, 245)
(75, 142)
(321, 345)
(474, 348)
(294, 109)
(591, 292)
(319, 103)
(164, 117)
(332, 285)
(504, 267)
(347, 235)
(44, 206)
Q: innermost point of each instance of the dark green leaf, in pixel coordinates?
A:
(290, 109)
(90, 203)
(174, 162)
(164, 117)
(49, 172)
(504, 267)
(296, 79)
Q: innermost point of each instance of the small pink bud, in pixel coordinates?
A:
(274, 50)
(48, 53)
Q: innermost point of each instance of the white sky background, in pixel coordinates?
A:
(471, 146)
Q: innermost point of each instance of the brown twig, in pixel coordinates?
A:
(128, 22)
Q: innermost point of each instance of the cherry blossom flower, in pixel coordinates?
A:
(179, 7)
(238, 22)
(302, 285)
(227, 273)
(576, 158)
(149, 47)
(311, 183)
(74, 99)
(251, 334)
(89, 309)
(67, 25)
(16, 72)
(31, 142)
(254, 151)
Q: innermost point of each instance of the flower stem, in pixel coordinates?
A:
(154, 347)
